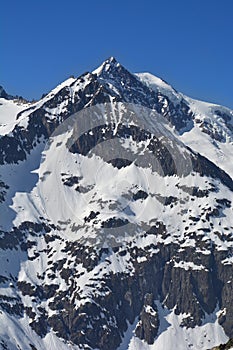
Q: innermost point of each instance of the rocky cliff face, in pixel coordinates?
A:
(115, 230)
(227, 346)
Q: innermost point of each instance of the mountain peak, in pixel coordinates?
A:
(109, 64)
(111, 59)
(3, 93)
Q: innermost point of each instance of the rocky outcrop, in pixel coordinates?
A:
(190, 282)
(148, 324)
(227, 346)
(3, 190)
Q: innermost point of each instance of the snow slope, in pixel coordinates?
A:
(220, 152)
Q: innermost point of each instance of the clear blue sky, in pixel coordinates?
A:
(188, 43)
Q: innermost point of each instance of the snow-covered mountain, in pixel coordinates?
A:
(116, 217)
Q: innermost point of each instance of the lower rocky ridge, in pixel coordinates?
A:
(227, 346)
(86, 300)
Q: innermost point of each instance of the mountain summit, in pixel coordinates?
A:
(116, 217)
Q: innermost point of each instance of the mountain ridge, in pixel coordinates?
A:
(64, 281)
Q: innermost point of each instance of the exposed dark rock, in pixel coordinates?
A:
(140, 195)
(114, 222)
(224, 202)
(4, 345)
(91, 216)
(226, 346)
(148, 325)
(203, 166)
(70, 181)
(11, 305)
(120, 162)
(33, 347)
(40, 326)
(29, 312)
(4, 94)
(3, 191)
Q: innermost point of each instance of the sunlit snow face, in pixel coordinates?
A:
(112, 163)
